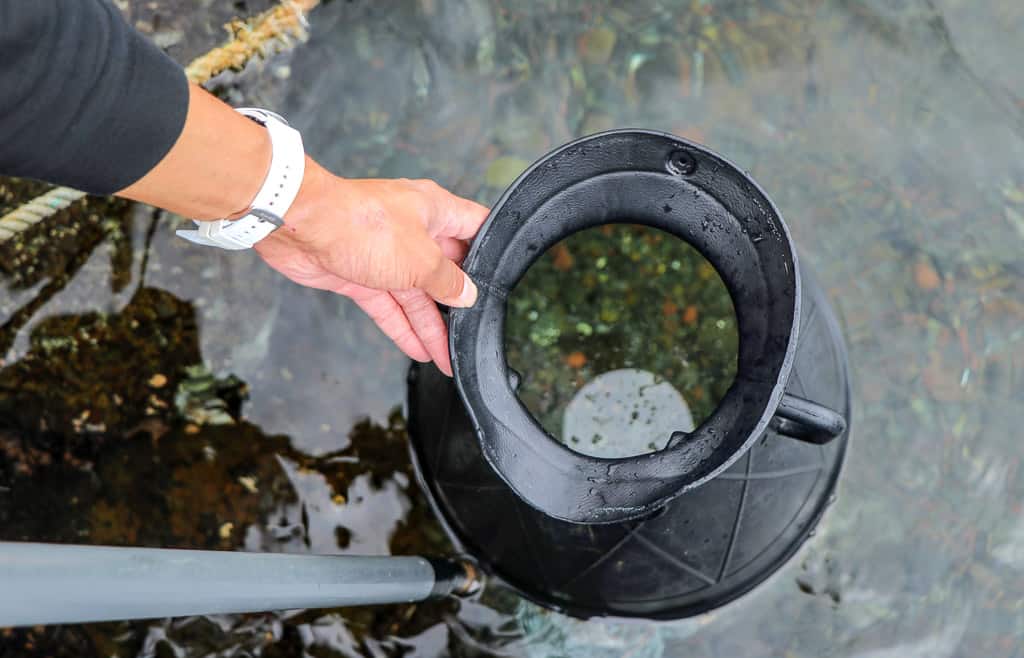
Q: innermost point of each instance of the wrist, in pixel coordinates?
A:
(308, 204)
(315, 180)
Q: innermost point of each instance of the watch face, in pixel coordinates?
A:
(259, 115)
(277, 116)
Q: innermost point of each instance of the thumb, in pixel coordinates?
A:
(449, 285)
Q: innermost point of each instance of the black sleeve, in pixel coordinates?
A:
(85, 100)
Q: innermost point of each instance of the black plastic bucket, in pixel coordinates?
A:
(674, 532)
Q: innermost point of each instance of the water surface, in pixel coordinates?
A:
(621, 335)
(890, 135)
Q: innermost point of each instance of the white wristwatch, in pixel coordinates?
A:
(266, 212)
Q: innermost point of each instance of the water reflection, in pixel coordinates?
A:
(889, 134)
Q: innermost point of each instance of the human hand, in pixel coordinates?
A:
(392, 246)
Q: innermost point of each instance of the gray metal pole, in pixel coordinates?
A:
(55, 583)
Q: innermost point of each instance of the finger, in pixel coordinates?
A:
(448, 284)
(389, 316)
(454, 249)
(428, 324)
(463, 217)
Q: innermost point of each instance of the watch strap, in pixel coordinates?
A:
(275, 197)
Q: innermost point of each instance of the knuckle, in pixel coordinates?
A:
(431, 265)
(419, 302)
(378, 314)
(408, 298)
(395, 326)
(428, 185)
(432, 333)
(404, 336)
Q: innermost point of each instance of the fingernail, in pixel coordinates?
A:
(469, 293)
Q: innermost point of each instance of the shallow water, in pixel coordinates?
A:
(621, 336)
(890, 135)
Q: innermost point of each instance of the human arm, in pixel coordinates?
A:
(390, 245)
